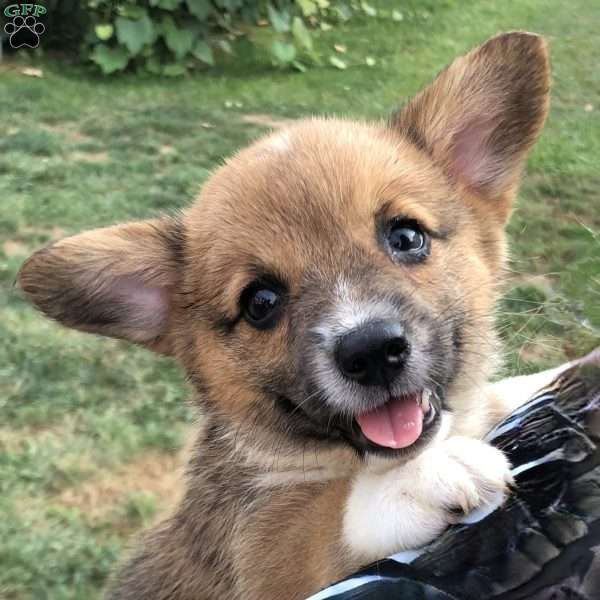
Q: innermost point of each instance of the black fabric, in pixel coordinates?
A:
(544, 543)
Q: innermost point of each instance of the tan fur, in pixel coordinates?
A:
(262, 515)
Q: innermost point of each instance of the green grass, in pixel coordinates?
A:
(78, 151)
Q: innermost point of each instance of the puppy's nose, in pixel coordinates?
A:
(373, 354)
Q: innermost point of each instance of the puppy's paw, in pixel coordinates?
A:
(460, 475)
(409, 506)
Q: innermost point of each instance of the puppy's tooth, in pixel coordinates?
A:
(431, 415)
(425, 403)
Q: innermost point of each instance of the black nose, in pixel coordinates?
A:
(373, 354)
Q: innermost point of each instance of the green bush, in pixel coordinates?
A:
(171, 37)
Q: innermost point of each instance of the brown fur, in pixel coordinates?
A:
(261, 515)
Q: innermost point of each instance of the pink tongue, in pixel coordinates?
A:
(397, 424)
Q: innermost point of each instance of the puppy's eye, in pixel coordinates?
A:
(260, 305)
(406, 239)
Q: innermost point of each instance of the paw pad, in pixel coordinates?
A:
(24, 31)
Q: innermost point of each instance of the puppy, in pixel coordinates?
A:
(330, 296)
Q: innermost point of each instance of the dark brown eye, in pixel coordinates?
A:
(260, 305)
(406, 240)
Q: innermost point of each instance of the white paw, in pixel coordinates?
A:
(409, 506)
(462, 474)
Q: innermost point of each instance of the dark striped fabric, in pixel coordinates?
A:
(544, 543)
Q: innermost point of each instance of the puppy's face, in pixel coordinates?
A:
(335, 282)
(339, 282)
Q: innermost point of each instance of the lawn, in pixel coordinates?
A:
(90, 428)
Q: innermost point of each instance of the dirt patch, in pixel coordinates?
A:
(22, 245)
(541, 350)
(53, 233)
(152, 473)
(543, 283)
(167, 149)
(13, 439)
(15, 248)
(6, 66)
(89, 157)
(267, 121)
(68, 132)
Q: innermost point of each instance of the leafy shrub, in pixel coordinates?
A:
(170, 37)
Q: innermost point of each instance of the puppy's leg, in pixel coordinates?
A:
(409, 506)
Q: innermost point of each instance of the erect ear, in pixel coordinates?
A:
(118, 281)
(483, 113)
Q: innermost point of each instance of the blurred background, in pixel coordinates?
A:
(111, 111)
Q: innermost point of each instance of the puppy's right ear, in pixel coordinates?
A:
(482, 114)
(118, 281)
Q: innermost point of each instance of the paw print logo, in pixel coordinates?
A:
(24, 32)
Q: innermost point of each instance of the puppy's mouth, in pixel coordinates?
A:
(399, 422)
(396, 427)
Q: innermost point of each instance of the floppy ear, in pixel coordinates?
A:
(482, 114)
(118, 281)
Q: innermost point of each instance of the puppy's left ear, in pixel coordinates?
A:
(118, 281)
(482, 114)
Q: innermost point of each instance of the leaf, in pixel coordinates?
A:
(225, 22)
(370, 61)
(301, 34)
(397, 15)
(338, 63)
(308, 7)
(230, 5)
(285, 53)
(130, 11)
(174, 70)
(166, 4)
(199, 8)
(153, 65)
(104, 32)
(344, 11)
(179, 41)
(250, 14)
(34, 72)
(225, 46)
(325, 26)
(279, 19)
(202, 51)
(299, 66)
(368, 9)
(134, 35)
(110, 59)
